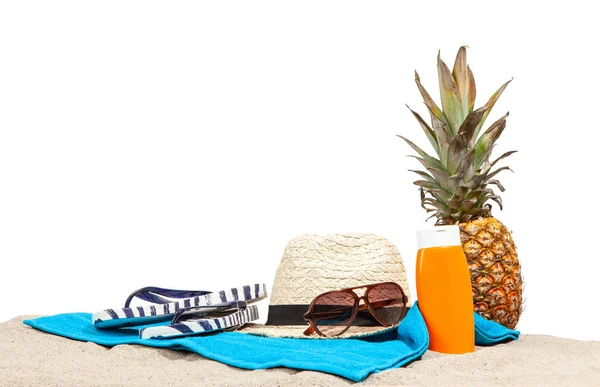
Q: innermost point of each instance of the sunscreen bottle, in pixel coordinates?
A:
(444, 290)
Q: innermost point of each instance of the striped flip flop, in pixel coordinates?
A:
(226, 316)
(167, 302)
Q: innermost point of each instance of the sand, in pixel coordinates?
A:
(29, 357)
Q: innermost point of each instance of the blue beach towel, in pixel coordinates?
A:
(353, 359)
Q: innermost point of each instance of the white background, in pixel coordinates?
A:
(183, 144)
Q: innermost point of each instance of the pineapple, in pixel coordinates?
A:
(456, 185)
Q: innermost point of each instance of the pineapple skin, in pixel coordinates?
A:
(495, 270)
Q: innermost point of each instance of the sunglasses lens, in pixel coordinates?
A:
(333, 312)
(387, 301)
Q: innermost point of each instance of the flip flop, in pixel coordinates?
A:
(226, 316)
(165, 307)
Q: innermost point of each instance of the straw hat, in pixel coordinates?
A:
(314, 264)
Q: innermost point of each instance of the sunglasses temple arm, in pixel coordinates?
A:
(309, 331)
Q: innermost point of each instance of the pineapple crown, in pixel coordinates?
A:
(456, 184)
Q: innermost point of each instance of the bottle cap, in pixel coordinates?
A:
(438, 236)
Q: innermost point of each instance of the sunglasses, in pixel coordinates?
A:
(332, 313)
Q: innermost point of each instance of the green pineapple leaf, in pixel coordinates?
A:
(441, 133)
(424, 175)
(450, 97)
(490, 104)
(497, 184)
(472, 90)
(460, 73)
(440, 175)
(428, 131)
(433, 107)
(497, 171)
(501, 157)
(467, 129)
(456, 152)
(430, 161)
(488, 138)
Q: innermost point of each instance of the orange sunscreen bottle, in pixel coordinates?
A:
(444, 290)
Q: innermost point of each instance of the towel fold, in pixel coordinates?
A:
(490, 332)
(353, 359)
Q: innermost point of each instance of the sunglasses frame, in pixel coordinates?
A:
(355, 308)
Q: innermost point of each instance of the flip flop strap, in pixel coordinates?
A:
(230, 307)
(190, 327)
(153, 294)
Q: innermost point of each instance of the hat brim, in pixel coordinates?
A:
(297, 331)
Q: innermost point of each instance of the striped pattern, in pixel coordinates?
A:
(123, 317)
(192, 327)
